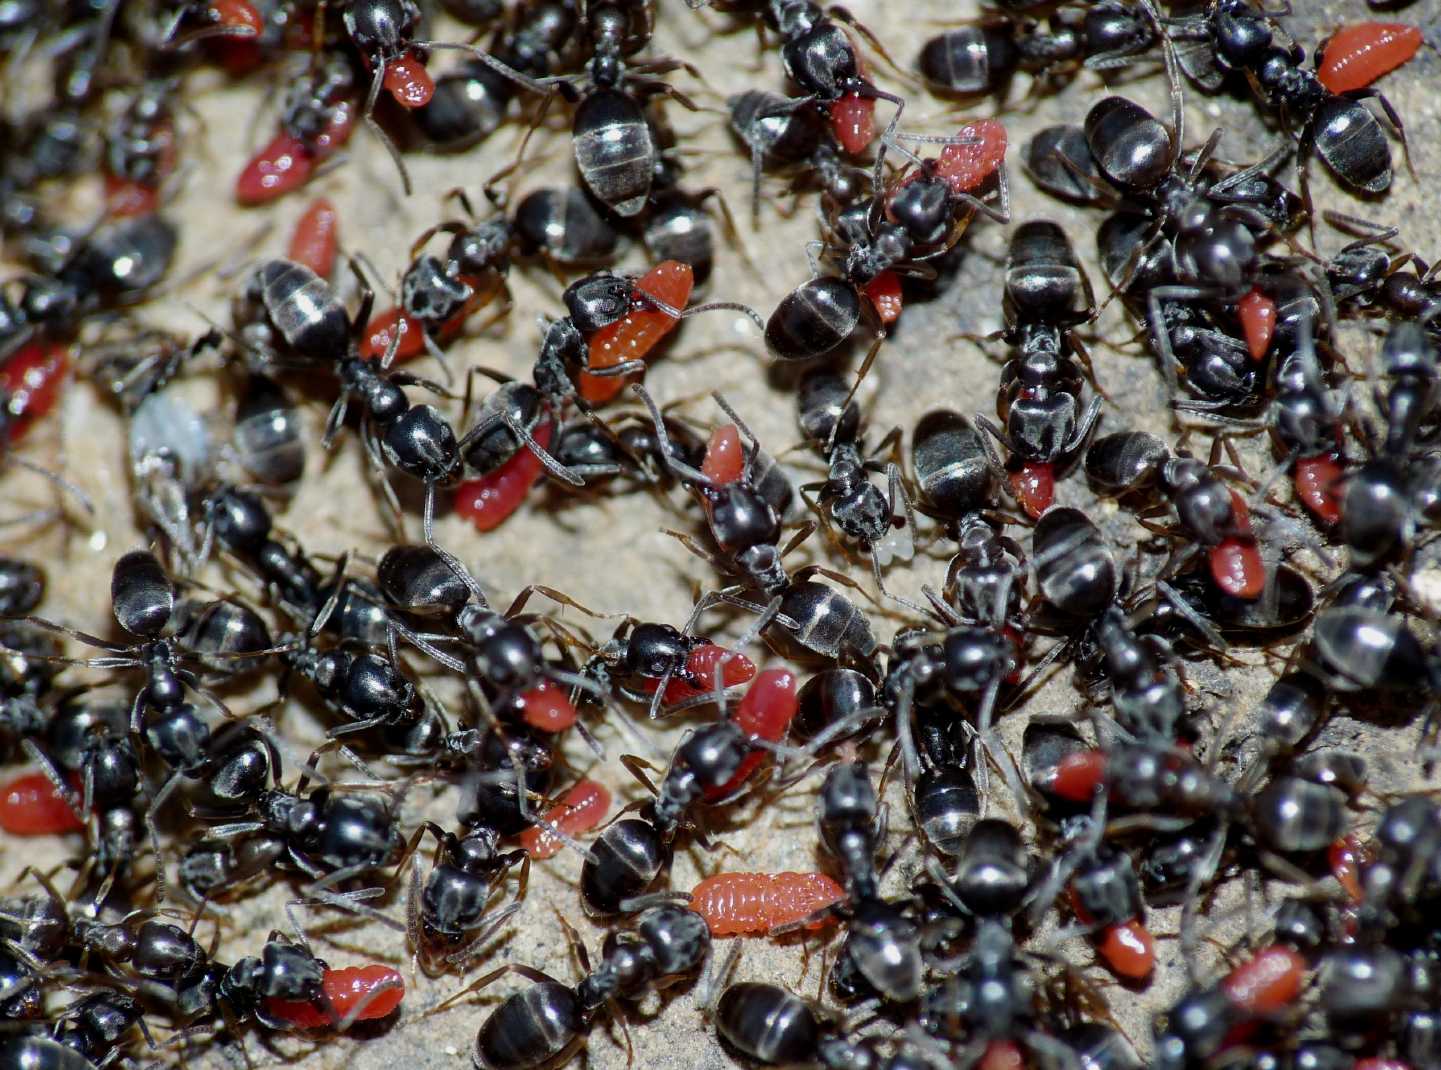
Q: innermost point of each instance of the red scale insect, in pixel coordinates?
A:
(1257, 313)
(1318, 485)
(487, 502)
(376, 990)
(1355, 56)
(546, 706)
(1076, 777)
(1348, 856)
(380, 333)
(287, 163)
(1126, 947)
(581, 809)
(30, 384)
(238, 50)
(725, 455)
(316, 238)
(746, 904)
(380, 330)
(853, 117)
(701, 665)
(884, 293)
(640, 330)
(765, 713)
(1034, 484)
(1236, 563)
(30, 806)
(1267, 982)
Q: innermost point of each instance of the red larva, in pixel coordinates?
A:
(1347, 856)
(30, 384)
(237, 16)
(1267, 982)
(765, 713)
(379, 336)
(316, 237)
(635, 334)
(379, 988)
(1236, 563)
(884, 293)
(747, 904)
(1355, 56)
(1034, 484)
(701, 665)
(853, 119)
(1076, 777)
(1257, 313)
(1380, 1064)
(1318, 485)
(725, 458)
(286, 163)
(1001, 1055)
(30, 806)
(581, 809)
(1126, 947)
(487, 502)
(239, 51)
(546, 706)
(408, 82)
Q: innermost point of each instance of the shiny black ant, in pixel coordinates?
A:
(893, 233)
(627, 857)
(779, 135)
(747, 530)
(982, 57)
(1337, 127)
(882, 949)
(448, 914)
(416, 439)
(549, 1020)
(1047, 294)
(880, 522)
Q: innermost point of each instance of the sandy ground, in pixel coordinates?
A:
(611, 555)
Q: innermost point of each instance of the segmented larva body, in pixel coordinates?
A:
(751, 903)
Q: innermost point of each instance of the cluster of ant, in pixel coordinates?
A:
(1148, 796)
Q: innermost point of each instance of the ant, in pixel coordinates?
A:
(316, 120)
(747, 530)
(881, 523)
(550, 1020)
(1047, 294)
(920, 217)
(1216, 517)
(449, 911)
(712, 764)
(1337, 127)
(982, 57)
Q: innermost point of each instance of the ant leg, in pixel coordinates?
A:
(79, 808)
(558, 597)
(548, 87)
(381, 135)
(1156, 319)
(887, 135)
(1393, 116)
(865, 370)
(672, 461)
(1085, 428)
(491, 926)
